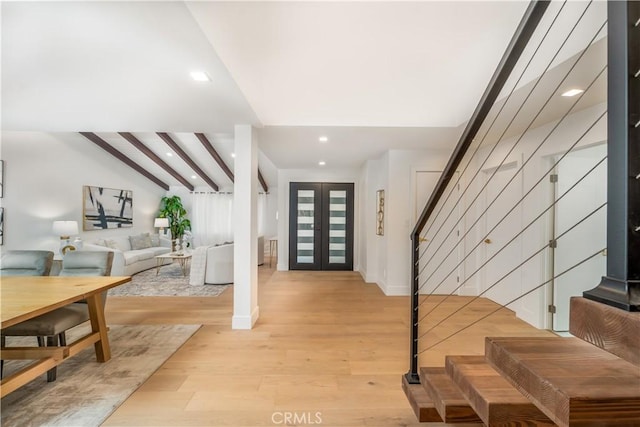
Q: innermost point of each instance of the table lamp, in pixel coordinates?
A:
(65, 229)
(161, 223)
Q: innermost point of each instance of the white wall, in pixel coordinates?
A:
(388, 257)
(287, 176)
(531, 308)
(44, 175)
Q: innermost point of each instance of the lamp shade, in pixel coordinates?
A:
(161, 222)
(65, 228)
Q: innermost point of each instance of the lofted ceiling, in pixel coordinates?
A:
(372, 76)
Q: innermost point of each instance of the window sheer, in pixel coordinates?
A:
(212, 218)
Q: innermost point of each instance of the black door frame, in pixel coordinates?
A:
(321, 225)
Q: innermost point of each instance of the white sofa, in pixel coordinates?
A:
(128, 261)
(213, 265)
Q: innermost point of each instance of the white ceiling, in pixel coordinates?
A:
(372, 76)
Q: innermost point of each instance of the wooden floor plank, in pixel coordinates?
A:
(325, 341)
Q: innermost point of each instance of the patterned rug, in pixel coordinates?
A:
(169, 281)
(86, 392)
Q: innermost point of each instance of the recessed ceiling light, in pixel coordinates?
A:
(323, 139)
(233, 155)
(193, 177)
(573, 92)
(322, 163)
(200, 76)
(170, 154)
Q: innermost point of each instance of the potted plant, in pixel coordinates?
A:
(172, 208)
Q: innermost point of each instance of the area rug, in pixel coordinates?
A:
(169, 281)
(87, 392)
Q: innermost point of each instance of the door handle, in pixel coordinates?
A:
(422, 239)
(488, 241)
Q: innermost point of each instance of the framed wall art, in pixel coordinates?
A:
(1, 226)
(105, 208)
(380, 212)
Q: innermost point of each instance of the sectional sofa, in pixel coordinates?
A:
(132, 254)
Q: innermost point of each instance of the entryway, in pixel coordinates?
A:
(582, 225)
(321, 226)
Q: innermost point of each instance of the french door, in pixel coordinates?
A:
(320, 226)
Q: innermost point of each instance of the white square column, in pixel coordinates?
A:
(245, 240)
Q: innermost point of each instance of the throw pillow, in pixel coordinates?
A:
(100, 242)
(155, 240)
(110, 243)
(143, 241)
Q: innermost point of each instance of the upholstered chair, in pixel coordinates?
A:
(26, 263)
(53, 325)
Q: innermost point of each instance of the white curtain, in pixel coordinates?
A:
(212, 218)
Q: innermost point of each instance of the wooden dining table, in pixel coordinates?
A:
(26, 297)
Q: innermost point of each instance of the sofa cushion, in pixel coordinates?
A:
(159, 250)
(155, 240)
(118, 242)
(131, 257)
(143, 254)
(141, 241)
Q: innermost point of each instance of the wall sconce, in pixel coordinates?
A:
(65, 229)
(161, 223)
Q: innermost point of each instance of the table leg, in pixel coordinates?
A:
(158, 264)
(99, 325)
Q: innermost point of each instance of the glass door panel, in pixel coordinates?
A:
(337, 227)
(306, 213)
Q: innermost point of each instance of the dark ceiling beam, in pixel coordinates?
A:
(262, 181)
(184, 156)
(124, 159)
(207, 145)
(153, 156)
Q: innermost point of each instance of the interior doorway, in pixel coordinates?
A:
(584, 239)
(498, 282)
(321, 226)
(439, 251)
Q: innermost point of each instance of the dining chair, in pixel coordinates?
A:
(54, 324)
(26, 263)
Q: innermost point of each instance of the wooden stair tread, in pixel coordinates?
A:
(446, 396)
(492, 397)
(420, 402)
(571, 381)
(607, 327)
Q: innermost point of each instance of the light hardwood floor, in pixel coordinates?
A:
(328, 349)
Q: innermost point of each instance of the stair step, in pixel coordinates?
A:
(446, 396)
(571, 381)
(495, 401)
(607, 327)
(419, 400)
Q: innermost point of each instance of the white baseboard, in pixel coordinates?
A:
(245, 322)
(396, 290)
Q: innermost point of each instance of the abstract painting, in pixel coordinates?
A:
(107, 208)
